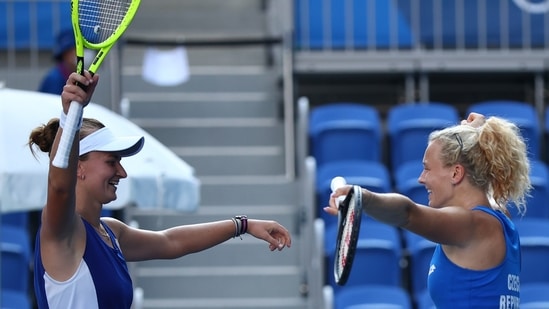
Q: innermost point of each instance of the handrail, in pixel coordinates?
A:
(198, 42)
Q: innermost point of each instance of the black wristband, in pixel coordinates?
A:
(243, 224)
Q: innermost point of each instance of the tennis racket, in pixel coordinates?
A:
(349, 219)
(97, 25)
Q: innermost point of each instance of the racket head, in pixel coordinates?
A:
(101, 22)
(350, 217)
(98, 24)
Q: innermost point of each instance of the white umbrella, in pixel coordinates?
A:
(157, 178)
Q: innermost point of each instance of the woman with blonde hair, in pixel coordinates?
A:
(471, 172)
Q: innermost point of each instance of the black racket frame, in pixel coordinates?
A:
(356, 192)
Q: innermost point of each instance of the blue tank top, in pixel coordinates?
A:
(454, 287)
(101, 281)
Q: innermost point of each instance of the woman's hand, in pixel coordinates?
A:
(272, 232)
(333, 207)
(73, 92)
(474, 119)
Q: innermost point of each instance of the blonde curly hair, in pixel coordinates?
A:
(495, 159)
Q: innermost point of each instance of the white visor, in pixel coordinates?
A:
(104, 140)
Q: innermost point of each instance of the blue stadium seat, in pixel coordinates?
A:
(345, 131)
(15, 258)
(522, 114)
(481, 23)
(424, 301)
(11, 299)
(371, 297)
(373, 176)
(537, 204)
(377, 257)
(534, 242)
(337, 24)
(18, 218)
(406, 182)
(534, 295)
(53, 16)
(409, 126)
(420, 251)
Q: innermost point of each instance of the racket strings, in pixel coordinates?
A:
(346, 236)
(344, 249)
(99, 20)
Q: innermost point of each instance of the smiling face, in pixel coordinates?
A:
(437, 178)
(101, 173)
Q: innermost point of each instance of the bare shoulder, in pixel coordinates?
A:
(124, 232)
(115, 225)
(486, 224)
(486, 248)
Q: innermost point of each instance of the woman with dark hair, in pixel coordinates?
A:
(80, 257)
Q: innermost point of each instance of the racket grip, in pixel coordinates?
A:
(338, 182)
(74, 116)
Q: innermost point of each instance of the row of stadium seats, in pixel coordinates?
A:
(382, 24)
(355, 131)
(386, 255)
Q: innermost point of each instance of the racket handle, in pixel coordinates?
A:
(74, 116)
(338, 182)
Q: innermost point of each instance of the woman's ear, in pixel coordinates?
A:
(80, 171)
(458, 174)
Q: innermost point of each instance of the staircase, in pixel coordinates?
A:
(227, 121)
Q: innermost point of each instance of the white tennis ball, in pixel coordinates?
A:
(337, 182)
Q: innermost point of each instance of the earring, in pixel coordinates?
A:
(82, 177)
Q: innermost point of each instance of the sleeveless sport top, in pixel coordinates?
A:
(101, 281)
(452, 286)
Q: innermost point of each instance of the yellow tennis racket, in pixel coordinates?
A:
(97, 25)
